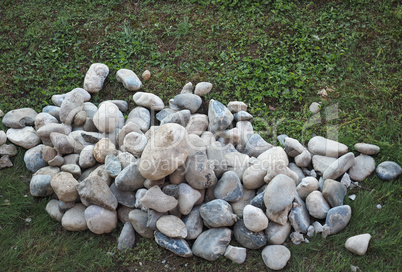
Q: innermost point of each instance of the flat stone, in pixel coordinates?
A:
(388, 170)
(236, 254)
(103, 148)
(96, 192)
(236, 106)
(8, 149)
(33, 158)
(52, 208)
(325, 147)
(178, 246)
(129, 79)
(72, 104)
(339, 167)
(139, 220)
(19, 118)
(141, 117)
(127, 237)
(254, 218)
(229, 187)
(188, 196)
(217, 213)
(25, 137)
(203, 88)
(74, 219)
(179, 117)
(362, 168)
(338, 218)
(194, 223)
(171, 226)
(306, 186)
(275, 257)
(44, 118)
(106, 118)
(247, 238)
(316, 204)
(100, 220)
(112, 165)
(278, 198)
(148, 100)
(95, 76)
(293, 147)
(334, 192)
(164, 152)
(191, 102)
(212, 243)
(367, 149)
(219, 116)
(321, 163)
(123, 197)
(242, 116)
(276, 233)
(358, 244)
(155, 199)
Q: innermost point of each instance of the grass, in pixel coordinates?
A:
(273, 55)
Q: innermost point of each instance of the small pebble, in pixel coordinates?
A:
(352, 197)
(379, 206)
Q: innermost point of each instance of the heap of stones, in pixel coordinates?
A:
(194, 182)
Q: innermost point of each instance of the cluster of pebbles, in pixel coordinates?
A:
(194, 182)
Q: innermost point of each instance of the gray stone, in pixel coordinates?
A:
(194, 223)
(44, 118)
(100, 220)
(306, 186)
(358, 244)
(5, 162)
(164, 113)
(87, 158)
(254, 218)
(148, 100)
(57, 99)
(315, 107)
(130, 178)
(19, 118)
(72, 104)
(64, 206)
(362, 168)
(191, 102)
(338, 218)
(247, 238)
(321, 163)
(187, 198)
(279, 168)
(367, 149)
(141, 117)
(155, 199)
(153, 217)
(334, 192)
(112, 165)
(80, 118)
(172, 190)
(45, 131)
(62, 143)
(126, 158)
(281, 139)
(106, 118)
(388, 170)
(256, 145)
(296, 237)
(238, 163)
(100, 171)
(199, 173)
(276, 233)
(258, 201)
(236, 254)
(345, 180)
(275, 257)
(123, 197)
(103, 148)
(8, 149)
(217, 213)
(303, 159)
(272, 157)
(52, 110)
(242, 116)
(95, 76)
(71, 159)
(339, 167)
(299, 217)
(216, 153)
(127, 237)
(138, 195)
(57, 161)
(229, 187)
(203, 88)
(278, 198)
(178, 246)
(164, 152)
(212, 243)
(317, 206)
(74, 219)
(151, 183)
(236, 106)
(293, 147)
(188, 88)
(292, 166)
(52, 208)
(122, 214)
(219, 116)
(73, 169)
(246, 199)
(39, 185)
(25, 137)
(64, 185)
(325, 147)
(253, 176)
(171, 226)
(180, 117)
(139, 220)
(125, 130)
(95, 191)
(129, 79)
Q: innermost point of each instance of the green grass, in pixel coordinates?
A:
(269, 54)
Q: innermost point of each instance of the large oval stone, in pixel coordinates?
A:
(212, 244)
(106, 118)
(100, 220)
